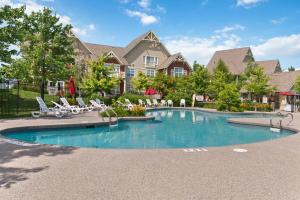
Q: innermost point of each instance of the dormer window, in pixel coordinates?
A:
(150, 61)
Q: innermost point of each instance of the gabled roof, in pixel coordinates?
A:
(150, 35)
(270, 66)
(233, 58)
(100, 50)
(284, 81)
(173, 58)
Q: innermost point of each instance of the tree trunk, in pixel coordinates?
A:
(43, 89)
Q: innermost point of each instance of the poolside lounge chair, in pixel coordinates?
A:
(155, 103)
(68, 109)
(141, 102)
(182, 102)
(101, 103)
(126, 106)
(163, 103)
(170, 103)
(97, 106)
(44, 110)
(68, 106)
(149, 104)
(83, 105)
(128, 103)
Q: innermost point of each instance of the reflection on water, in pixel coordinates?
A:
(170, 129)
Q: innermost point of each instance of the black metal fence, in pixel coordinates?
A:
(18, 99)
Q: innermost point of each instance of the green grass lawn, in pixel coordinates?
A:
(27, 103)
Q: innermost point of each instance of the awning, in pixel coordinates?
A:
(287, 94)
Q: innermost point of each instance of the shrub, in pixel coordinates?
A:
(206, 105)
(229, 98)
(133, 98)
(122, 112)
(250, 106)
(138, 111)
(177, 95)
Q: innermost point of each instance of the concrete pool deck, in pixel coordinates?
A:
(268, 170)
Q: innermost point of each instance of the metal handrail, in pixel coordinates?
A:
(283, 116)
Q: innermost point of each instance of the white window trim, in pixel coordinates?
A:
(150, 74)
(155, 60)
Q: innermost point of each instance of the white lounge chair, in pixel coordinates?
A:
(100, 107)
(141, 102)
(128, 104)
(44, 110)
(149, 104)
(68, 109)
(170, 103)
(163, 103)
(101, 103)
(182, 102)
(83, 105)
(155, 103)
(68, 106)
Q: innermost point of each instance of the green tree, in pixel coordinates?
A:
(229, 98)
(257, 82)
(47, 47)
(141, 82)
(163, 83)
(99, 77)
(220, 77)
(297, 85)
(11, 32)
(197, 65)
(291, 68)
(200, 79)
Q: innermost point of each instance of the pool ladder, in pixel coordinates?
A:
(283, 116)
(110, 118)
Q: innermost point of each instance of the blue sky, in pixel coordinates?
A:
(197, 28)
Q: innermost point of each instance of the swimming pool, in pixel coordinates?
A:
(171, 129)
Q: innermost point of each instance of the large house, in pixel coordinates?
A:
(237, 60)
(145, 53)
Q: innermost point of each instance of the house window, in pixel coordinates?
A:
(150, 61)
(130, 72)
(150, 72)
(178, 72)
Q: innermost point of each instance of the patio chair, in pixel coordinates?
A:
(68, 109)
(182, 102)
(125, 105)
(67, 105)
(163, 103)
(128, 103)
(83, 105)
(141, 102)
(44, 110)
(149, 104)
(155, 103)
(98, 106)
(170, 103)
(101, 103)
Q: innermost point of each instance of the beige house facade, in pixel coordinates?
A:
(145, 53)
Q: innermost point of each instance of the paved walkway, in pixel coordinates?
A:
(268, 170)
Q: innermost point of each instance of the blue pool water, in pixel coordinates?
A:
(171, 129)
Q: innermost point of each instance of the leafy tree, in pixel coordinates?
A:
(11, 32)
(257, 82)
(200, 80)
(141, 82)
(221, 76)
(197, 65)
(99, 77)
(229, 98)
(47, 47)
(297, 85)
(163, 83)
(291, 68)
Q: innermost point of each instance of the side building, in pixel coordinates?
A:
(145, 53)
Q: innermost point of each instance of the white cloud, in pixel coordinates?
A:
(204, 2)
(33, 6)
(277, 47)
(145, 4)
(249, 3)
(279, 21)
(145, 19)
(230, 28)
(201, 48)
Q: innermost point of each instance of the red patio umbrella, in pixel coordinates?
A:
(286, 94)
(150, 91)
(72, 88)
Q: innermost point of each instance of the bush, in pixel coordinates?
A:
(229, 99)
(122, 112)
(206, 105)
(133, 98)
(250, 106)
(177, 95)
